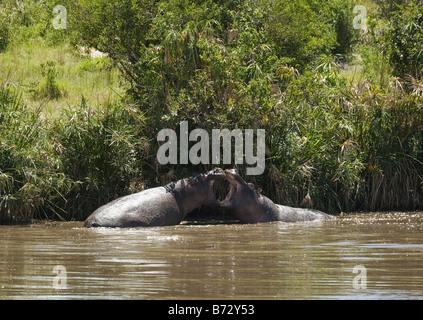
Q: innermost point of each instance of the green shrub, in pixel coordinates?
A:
(31, 183)
(50, 88)
(4, 35)
(65, 168)
(404, 37)
(102, 151)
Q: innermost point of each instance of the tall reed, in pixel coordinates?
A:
(66, 167)
(31, 182)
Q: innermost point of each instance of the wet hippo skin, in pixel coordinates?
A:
(250, 206)
(160, 206)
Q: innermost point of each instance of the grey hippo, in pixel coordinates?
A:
(249, 206)
(160, 206)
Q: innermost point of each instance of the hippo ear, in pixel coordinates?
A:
(251, 185)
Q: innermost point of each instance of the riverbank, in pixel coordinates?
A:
(343, 119)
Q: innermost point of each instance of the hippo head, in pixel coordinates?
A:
(202, 184)
(243, 200)
(198, 189)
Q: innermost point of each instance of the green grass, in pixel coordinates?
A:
(75, 75)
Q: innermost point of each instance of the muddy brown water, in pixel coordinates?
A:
(364, 256)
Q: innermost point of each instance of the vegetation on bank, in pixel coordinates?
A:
(49, 70)
(342, 108)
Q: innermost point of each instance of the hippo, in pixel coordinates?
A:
(249, 206)
(160, 206)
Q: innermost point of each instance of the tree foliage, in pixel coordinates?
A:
(182, 57)
(404, 38)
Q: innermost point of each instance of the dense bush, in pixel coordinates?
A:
(183, 55)
(102, 151)
(31, 181)
(65, 168)
(4, 34)
(355, 149)
(404, 38)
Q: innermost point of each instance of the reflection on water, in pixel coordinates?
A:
(217, 261)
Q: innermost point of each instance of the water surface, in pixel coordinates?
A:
(365, 256)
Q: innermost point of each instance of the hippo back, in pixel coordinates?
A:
(151, 207)
(290, 214)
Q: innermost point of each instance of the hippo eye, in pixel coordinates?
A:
(251, 185)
